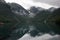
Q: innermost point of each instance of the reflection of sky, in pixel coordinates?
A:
(44, 37)
(28, 3)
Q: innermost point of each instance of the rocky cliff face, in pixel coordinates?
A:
(18, 9)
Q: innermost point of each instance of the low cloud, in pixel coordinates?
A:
(51, 2)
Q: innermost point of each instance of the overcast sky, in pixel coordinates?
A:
(28, 3)
(51, 2)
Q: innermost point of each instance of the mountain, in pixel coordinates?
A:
(45, 21)
(52, 9)
(15, 21)
(6, 20)
(18, 9)
(35, 10)
(10, 21)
